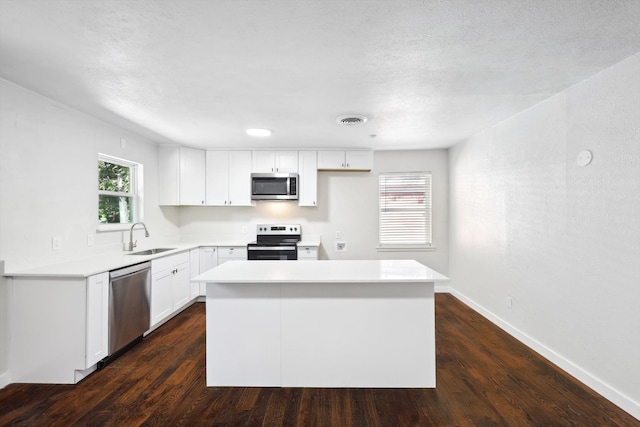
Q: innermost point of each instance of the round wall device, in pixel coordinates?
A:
(584, 158)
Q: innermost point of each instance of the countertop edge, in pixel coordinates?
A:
(321, 271)
(96, 264)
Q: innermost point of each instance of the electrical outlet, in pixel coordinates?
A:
(55, 243)
(338, 235)
(91, 239)
(341, 246)
(509, 302)
(245, 230)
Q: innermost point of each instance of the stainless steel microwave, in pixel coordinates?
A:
(274, 186)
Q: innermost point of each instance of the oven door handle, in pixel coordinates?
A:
(272, 248)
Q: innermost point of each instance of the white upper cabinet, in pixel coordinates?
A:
(240, 178)
(355, 160)
(275, 161)
(308, 179)
(181, 176)
(217, 181)
(228, 178)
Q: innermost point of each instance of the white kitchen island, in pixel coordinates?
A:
(328, 323)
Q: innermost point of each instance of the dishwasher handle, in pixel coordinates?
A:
(127, 271)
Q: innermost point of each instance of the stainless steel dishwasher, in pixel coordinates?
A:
(129, 306)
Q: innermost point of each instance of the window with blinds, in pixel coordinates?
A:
(405, 209)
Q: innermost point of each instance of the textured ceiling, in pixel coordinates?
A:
(427, 73)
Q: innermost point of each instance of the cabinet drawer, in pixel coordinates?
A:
(167, 262)
(232, 252)
(307, 252)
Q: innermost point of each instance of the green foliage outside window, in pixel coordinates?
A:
(115, 197)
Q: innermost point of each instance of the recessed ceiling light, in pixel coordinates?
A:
(351, 120)
(259, 132)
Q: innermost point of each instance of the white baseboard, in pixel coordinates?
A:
(621, 400)
(441, 289)
(5, 379)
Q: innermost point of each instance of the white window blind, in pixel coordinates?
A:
(405, 208)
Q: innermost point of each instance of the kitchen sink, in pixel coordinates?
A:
(152, 251)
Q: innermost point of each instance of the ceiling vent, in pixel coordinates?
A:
(351, 120)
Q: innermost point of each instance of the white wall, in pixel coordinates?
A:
(48, 182)
(562, 240)
(347, 202)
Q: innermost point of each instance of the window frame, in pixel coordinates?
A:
(136, 192)
(428, 211)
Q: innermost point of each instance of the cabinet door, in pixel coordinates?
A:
(239, 178)
(217, 179)
(168, 176)
(286, 161)
(194, 269)
(263, 161)
(308, 185)
(359, 160)
(331, 159)
(208, 260)
(161, 299)
(192, 176)
(97, 340)
(180, 286)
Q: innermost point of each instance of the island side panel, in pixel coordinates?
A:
(243, 335)
(358, 335)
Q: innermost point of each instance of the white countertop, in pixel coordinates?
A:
(88, 266)
(324, 271)
(85, 267)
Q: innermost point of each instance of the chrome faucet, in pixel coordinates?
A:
(133, 244)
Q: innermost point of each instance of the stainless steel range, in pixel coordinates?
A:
(275, 241)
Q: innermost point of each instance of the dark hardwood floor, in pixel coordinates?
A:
(484, 378)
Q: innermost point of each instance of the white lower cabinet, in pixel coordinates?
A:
(170, 285)
(97, 341)
(229, 253)
(194, 268)
(307, 252)
(58, 327)
(208, 260)
(212, 256)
